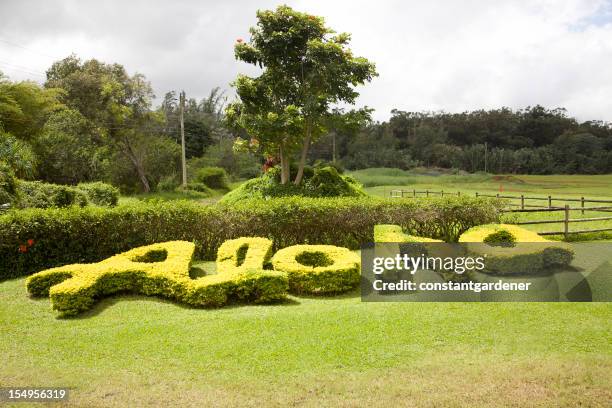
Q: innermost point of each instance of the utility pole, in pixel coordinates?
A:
(334, 147)
(182, 116)
(485, 157)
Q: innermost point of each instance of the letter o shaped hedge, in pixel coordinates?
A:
(318, 269)
(523, 252)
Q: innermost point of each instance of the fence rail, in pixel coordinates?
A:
(532, 208)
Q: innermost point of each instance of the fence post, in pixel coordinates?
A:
(566, 222)
(458, 193)
(549, 202)
(442, 193)
(582, 204)
(427, 193)
(414, 192)
(477, 194)
(522, 202)
(497, 195)
(402, 193)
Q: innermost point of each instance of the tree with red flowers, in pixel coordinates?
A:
(307, 68)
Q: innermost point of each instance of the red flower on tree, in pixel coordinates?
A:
(30, 242)
(239, 40)
(23, 248)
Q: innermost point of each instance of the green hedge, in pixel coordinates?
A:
(213, 177)
(75, 288)
(35, 239)
(318, 269)
(36, 194)
(100, 193)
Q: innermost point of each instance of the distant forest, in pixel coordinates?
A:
(534, 140)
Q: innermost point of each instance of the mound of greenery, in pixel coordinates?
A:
(318, 182)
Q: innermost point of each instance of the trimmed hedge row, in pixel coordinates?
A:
(36, 239)
(75, 288)
(36, 194)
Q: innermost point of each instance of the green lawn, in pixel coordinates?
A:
(137, 351)
(557, 186)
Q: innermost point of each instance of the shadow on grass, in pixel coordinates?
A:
(104, 303)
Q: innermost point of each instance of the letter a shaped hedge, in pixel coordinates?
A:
(159, 269)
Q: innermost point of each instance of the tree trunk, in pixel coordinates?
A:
(300, 173)
(137, 166)
(284, 157)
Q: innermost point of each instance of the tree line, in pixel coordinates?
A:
(91, 120)
(533, 140)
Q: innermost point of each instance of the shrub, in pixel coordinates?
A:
(90, 234)
(318, 269)
(167, 184)
(8, 184)
(100, 193)
(244, 253)
(394, 233)
(500, 238)
(213, 177)
(522, 251)
(199, 187)
(160, 270)
(36, 194)
(319, 182)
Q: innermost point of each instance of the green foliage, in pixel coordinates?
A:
(168, 183)
(67, 149)
(100, 193)
(213, 177)
(237, 163)
(17, 154)
(154, 270)
(318, 269)
(36, 194)
(500, 238)
(306, 68)
(320, 182)
(201, 188)
(244, 253)
(8, 184)
(394, 233)
(89, 234)
(513, 250)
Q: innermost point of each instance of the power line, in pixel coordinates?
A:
(28, 49)
(23, 69)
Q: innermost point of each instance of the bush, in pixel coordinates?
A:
(76, 235)
(244, 253)
(75, 288)
(168, 184)
(319, 182)
(36, 194)
(318, 269)
(8, 184)
(514, 250)
(394, 233)
(213, 177)
(100, 193)
(199, 187)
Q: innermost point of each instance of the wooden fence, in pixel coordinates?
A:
(525, 207)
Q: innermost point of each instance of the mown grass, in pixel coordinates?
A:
(557, 186)
(338, 351)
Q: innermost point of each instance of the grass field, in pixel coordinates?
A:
(337, 351)
(137, 351)
(382, 181)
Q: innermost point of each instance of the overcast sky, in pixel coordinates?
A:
(451, 55)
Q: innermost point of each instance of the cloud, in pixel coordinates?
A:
(432, 55)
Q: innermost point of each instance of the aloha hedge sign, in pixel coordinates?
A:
(163, 270)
